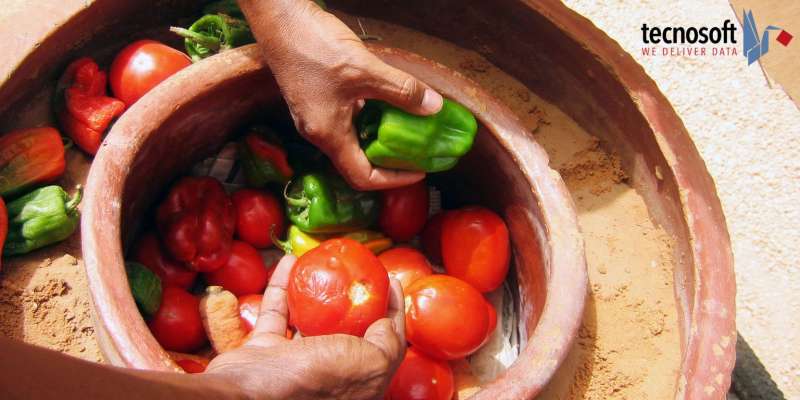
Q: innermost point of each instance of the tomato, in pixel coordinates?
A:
(446, 318)
(258, 214)
(141, 66)
(191, 366)
(337, 287)
(249, 306)
(404, 211)
(177, 324)
(243, 273)
(149, 253)
(420, 377)
(405, 264)
(432, 237)
(475, 247)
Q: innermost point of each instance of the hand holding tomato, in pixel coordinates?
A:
(319, 367)
(337, 287)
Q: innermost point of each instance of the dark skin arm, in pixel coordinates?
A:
(325, 72)
(268, 366)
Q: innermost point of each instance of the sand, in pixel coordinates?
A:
(628, 345)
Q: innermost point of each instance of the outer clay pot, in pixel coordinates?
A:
(554, 51)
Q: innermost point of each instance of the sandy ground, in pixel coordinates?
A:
(747, 130)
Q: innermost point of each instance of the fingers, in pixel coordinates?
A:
(402, 90)
(388, 334)
(272, 317)
(354, 166)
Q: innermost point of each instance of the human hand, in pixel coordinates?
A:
(269, 366)
(325, 72)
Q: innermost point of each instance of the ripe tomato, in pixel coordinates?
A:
(337, 287)
(405, 264)
(258, 214)
(475, 247)
(141, 66)
(177, 325)
(432, 237)
(249, 307)
(148, 252)
(191, 366)
(404, 211)
(244, 273)
(420, 377)
(446, 318)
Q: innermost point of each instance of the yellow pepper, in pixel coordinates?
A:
(299, 242)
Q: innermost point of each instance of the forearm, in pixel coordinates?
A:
(31, 372)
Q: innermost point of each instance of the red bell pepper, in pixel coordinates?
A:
(264, 160)
(172, 273)
(197, 222)
(3, 229)
(28, 158)
(84, 110)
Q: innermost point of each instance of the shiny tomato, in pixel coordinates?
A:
(404, 211)
(432, 237)
(177, 324)
(141, 66)
(446, 318)
(244, 273)
(337, 287)
(258, 214)
(149, 253)
(420, 377)
(475, 247)
(405, 264)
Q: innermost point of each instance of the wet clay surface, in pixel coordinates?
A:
(628, 346)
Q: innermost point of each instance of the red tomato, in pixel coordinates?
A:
(432, 237)
(148, 252)
(249, 306)
(244, 273)
(177, 325)
(337, 287)
(258, 214)
(404, 211)
(405, 264)
(475, 247)
(141, 66)
(191, 366)
(420, 377)
(446, 318)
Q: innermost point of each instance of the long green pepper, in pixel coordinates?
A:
(325, 203)
(42, 217)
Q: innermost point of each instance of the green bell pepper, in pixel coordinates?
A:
(324, 203)
(214, 33)
(145, 288)
(42, 217)
(393, 138)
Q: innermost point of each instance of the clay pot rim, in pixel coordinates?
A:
(561, 315)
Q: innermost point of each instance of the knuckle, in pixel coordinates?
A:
(408, 89)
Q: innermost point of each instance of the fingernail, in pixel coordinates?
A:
(431, 101)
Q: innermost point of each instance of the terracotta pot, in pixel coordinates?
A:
(557, 53)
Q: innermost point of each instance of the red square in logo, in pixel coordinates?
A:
(784, 38)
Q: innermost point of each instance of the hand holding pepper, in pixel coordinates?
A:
(338, 72)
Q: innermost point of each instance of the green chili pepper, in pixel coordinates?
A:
(214, 33)
(42, 217)
(145, 288)
(393, 138)
(324, 203)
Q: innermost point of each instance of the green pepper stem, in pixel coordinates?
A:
(198, 38)
(292, 201)
(285, 245)
(72, 204)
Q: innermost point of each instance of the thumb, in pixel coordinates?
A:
(382, 334)
(404, 91)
